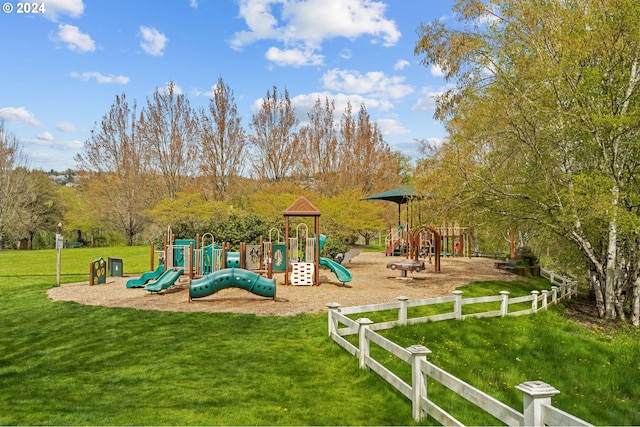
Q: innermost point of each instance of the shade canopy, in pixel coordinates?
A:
(400, 195)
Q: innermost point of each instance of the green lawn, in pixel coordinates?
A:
(64, 363)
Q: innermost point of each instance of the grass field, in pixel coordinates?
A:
(62, 363)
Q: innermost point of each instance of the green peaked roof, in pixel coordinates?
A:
(398, 195)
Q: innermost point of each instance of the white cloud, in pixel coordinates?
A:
(18, 115)
(56, 8)
(100, 78)
(303, 103)
(401, 64)
(193, 4)
(66, 127)
(391, 127)
(75, 39)
(303, 25)
(427, 101)
(177, 90)
(153, 41)
(436, 70)
(43, 140)
(45, 136)
(373, 83)
(294, 57)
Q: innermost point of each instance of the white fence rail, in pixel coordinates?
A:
(538, 410)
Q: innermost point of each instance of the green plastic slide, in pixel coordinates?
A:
(341, 272)
(233, 278)
(139, 282)
(167, 279)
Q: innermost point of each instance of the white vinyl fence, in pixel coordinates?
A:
(538, 410)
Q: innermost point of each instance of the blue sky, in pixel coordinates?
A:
(62, 69)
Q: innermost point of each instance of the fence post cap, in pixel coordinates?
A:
(457, 292)
(333, 305)
(364, 321)
(403, 298)
(505, 292)
(537, 389)
(535, 292)
(418, 349)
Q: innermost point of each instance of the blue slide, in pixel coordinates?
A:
(167, 279)
(341, 272)
(146, 277)
(233, 278)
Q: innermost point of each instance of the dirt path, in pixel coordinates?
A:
(372, 283)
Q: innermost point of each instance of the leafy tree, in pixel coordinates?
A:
(40, 208)
(344, 217)
(545, 116)
(223, 140)
(78, 215)
(168, 126)
(187, 213)
(274, 141)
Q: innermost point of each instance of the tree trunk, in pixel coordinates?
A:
(635, 303)
(611, 278)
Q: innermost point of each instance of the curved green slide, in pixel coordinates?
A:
(233, 278)
(341, 272)
(146, 277)
(167, 279)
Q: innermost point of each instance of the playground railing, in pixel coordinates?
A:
(537, 411)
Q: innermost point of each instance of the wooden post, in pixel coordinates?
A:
(402, 314)
(534, 301)
(536, 394)
(418, 384)
(316, 260)
(152, 256)
(457, 305)
(287, 255)
(333, 324)
(504, 304)
(363, 342)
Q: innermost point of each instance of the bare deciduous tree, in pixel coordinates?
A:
(223, 140)
(12, 181)
(169, 126)
(114, 167)
(274, 141)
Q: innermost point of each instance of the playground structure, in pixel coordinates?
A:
(454, 240)
(214, 267)
(304, 260)
(422, 242)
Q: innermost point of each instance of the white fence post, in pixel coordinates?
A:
(554, 295)
(536, 394)
(333, 323)
(402, 314)
(418, 382)
(534, 301)
(544, 299)
(457, 305)
(363, 342)
(504, 304)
